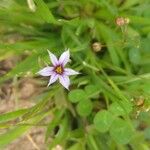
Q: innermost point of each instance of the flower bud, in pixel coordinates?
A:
(120, 21)
(126, 20)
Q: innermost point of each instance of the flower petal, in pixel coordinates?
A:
(64, 58)
(53, 78)
(47, 71)
(53, 58)
(64, 80)
(68, 72)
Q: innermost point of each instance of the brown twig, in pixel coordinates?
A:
(32, 142)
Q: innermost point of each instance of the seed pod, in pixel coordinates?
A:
(96, 46)
(140, 101)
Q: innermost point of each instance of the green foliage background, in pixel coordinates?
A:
(99, 111)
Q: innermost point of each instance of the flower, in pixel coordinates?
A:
(58, 70)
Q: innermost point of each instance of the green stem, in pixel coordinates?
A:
(92, 143)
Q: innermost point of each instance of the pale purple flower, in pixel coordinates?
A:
(58, 71)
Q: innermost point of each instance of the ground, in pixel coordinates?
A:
(14, 96)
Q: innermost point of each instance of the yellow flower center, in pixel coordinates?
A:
(59, 69)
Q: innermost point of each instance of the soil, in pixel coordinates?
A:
(15, 95)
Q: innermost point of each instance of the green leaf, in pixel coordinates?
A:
(92, 90)
(91, 142)
(103, 120)
(145, 44)
(128, 3)
(62, 134)
(109, 35)
(104, 14)
(44, 12)
(77, 146)
(12, 115)
(147, 133)
(120, 109)
(121, 131)
(84, 107)
(23, 67)
(146, 87)
(11, 135)
(54, 122)
(77, 133)
(116, 109)
(139, 20)
(19, 130)
(135, 55)
(77, 95)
